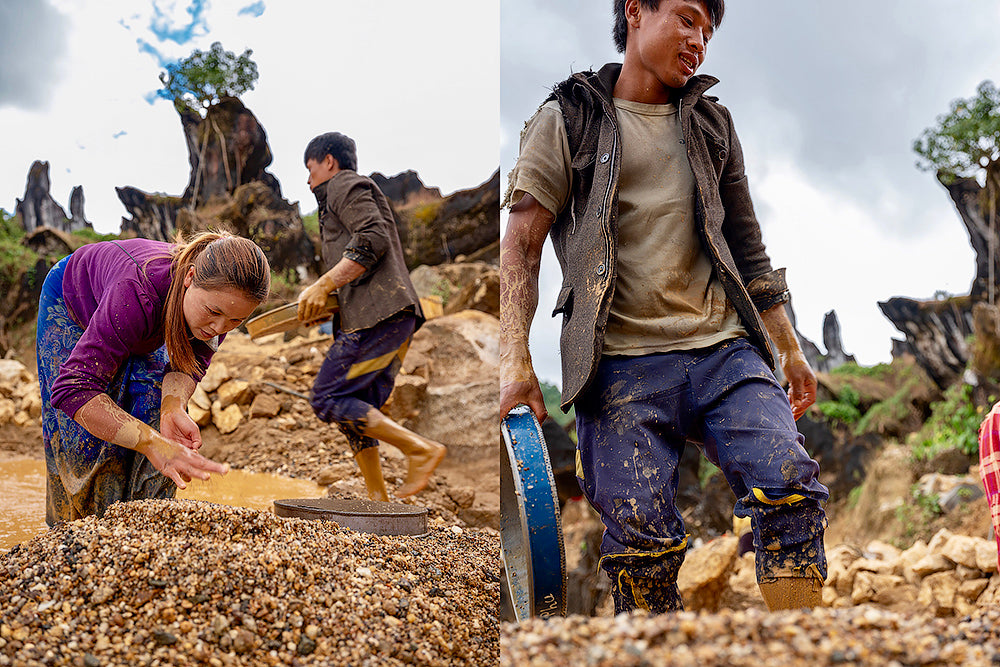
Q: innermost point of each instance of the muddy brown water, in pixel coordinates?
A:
(22, 499)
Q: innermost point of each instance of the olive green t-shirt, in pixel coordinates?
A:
(666, 293)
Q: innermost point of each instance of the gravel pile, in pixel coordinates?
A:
(185, 582)
(863, 635)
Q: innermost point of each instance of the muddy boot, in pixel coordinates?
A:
(792, 592)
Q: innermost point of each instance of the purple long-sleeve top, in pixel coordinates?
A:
(116, 291)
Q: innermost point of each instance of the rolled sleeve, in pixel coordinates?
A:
(768, 290)
(544, 164)
(361, 216)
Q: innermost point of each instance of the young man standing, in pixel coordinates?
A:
(379, 312)
(667, 303)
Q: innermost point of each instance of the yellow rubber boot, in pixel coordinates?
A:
(792, 593)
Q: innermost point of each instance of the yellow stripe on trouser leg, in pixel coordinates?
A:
(787, 500)
(640, 601)
(378, 363)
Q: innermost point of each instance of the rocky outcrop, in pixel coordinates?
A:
(256, 211)
(936, 333)
(460, 286)
(153, 214)
(39, 209)
(78, 219)
(835, 355)
(405, 189)
(439, 231)
(228, 188)
(937, 330)
(226, 149)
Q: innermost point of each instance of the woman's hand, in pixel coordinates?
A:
(178, 425)
(103, 418)
(177, 461)
(175, 423)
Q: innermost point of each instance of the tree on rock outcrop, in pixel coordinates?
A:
(205, 77)
(964, 151)
(229, 185)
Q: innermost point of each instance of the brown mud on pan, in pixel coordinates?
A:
(285, 318)
(364, 516)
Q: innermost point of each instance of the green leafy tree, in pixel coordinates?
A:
(966, 141)
(964, 150)
(204, 77)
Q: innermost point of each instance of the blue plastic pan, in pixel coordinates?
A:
(530, 524)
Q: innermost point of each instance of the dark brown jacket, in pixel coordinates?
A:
(585, 232)
(355, 222)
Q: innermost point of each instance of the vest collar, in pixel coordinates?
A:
(604, 81)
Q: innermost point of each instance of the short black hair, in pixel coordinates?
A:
(716, 8)
(340, 146)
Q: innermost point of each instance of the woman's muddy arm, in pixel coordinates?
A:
(105, 420)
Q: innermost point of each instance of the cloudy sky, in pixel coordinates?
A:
(78, 82)
(827, 98)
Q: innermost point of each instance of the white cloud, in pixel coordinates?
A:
(409, 81)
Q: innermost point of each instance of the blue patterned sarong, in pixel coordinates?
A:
(86, 475)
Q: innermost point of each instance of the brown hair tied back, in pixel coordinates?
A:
(221, 261)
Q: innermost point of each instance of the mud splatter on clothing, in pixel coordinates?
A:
(358, 374)
(86, 475)
(633, 422)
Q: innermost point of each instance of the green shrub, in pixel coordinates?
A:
(15, 257)
(916, 516)
(851, 369)
(953, 424)
(841, 412)
(551, 394)
(311, 223)
(854, 497)
(90, 236)
(845, 408)
(706, 471)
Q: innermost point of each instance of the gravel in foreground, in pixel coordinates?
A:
(190, 583)
(863, 635)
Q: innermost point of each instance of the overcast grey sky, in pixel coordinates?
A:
(827, 98)
(78, 82)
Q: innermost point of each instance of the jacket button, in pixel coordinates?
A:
(605, 158)
(601, 269)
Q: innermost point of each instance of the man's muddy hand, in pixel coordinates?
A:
(312, 300)
(523, 390)
(801, 384)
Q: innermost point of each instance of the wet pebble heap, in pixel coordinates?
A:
(192, 583)
(862, 635)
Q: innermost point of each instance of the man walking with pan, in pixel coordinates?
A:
(668, 304)
(379, 312)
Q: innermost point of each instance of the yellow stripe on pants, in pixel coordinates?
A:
(378, 363)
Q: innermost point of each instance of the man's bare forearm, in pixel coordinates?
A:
(782, 333)
(520, 259)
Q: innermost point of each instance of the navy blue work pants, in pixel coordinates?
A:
(359, 373)
(632, 424)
